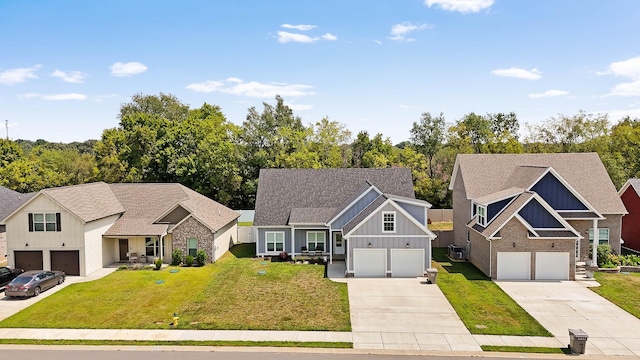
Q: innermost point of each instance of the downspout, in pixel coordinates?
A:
(293, 243)
(490, 256)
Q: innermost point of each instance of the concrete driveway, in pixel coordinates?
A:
(406, 314)
(561, 305)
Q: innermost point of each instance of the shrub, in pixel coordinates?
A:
(158, 263)
(188, 261)
(201, 257)
(604, 250)
(283, 256)
(123, 267)
(176, 257)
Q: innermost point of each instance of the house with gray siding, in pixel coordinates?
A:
(533, 216)
(82, 228)
(368, 218)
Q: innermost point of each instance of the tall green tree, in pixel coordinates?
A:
(428, 136)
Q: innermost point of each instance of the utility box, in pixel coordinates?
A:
(432, 274)
(577, 341)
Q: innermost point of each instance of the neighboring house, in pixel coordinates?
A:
(532, 216)
(80, 229)
(9, 201)
(630, 195)
(368, 217)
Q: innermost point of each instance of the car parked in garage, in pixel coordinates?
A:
(32, 283)
(7, 274)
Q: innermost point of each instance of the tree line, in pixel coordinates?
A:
(161, 139)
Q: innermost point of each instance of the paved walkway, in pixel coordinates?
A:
(560, 305)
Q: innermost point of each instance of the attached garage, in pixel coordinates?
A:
(407, 262)
(67, 261)
(369, 262)
(552, 265)
(28, 260)
(514, 266)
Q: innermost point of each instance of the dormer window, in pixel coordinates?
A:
(482, 215)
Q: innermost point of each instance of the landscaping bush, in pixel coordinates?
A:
(188, 261)
(123, 267)
(201, 258)
(604, 251)
(158, 263)
(176, 257)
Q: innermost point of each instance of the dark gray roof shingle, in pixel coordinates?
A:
(11, 200)
(280, 190)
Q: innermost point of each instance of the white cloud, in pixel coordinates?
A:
(55, 97)
(616, 115)
(76, 77)
(19, 75)
(329, 37)
(298, 27)
(549, 93)
(285, 37)
(399, 31)
(629, 69)
(377, 42)
(533, 74)
(127, 69)
(254, 89)
(463, 6)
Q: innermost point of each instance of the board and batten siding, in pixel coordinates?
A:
(262, 244)
(418, 212)
(354, 210)
(373, 226)
(93, 257)
(301, 238)
(397, 242)
(224, 238)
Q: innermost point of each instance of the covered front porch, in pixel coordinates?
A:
(137, 249)
(317, 241)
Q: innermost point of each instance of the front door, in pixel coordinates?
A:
(338, 244)
(124, 249)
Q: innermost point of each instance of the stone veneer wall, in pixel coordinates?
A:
(192, 228)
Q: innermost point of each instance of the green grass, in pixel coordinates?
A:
(481, 305)
(525, 349)
(441, 225)
(621, 289)
(229, 294)
(296, 344)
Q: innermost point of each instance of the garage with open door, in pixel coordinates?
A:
(67, 261)
(552, 265)
(28, 260)
(369, 262)
(513, 266)
(407, 262)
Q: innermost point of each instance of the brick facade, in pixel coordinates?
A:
(461, 212)
(192, 228)
(612, 222)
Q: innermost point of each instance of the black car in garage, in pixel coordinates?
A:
(8, 274)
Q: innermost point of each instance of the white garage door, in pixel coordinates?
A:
(407, 262)
(370, 262)
(514, 266)
(552, 265)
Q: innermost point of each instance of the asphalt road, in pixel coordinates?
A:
(25, 352)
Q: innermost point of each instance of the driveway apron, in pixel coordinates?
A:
(562, 305)
(405, 314)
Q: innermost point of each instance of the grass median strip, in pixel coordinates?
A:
(621, 289)
(525, 349)
(227, 295)
(481, 305)
(296, 344)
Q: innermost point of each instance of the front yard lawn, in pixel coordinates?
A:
(621, 289)
(482, 306)
(230, 294)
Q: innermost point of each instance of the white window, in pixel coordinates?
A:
(192, 247)
(152, 246)
(44, 222)
(603, 235)
(275, 241)
(482, 215)
(315, 240)
(388, 221)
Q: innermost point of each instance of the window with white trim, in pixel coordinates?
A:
(603, 236)
(315, 240)
(482, 215)
(153, 244)
(192, 247)
(388, 221)
(44, 222)
(275, 241)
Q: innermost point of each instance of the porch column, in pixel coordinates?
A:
(346, 245)
(162, 247)
(331, 242)
(293, 243)
(596, 241)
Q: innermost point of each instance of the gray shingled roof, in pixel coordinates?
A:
(280, 190)
(310, 215)
(87, 201)
(486, 174)
(145, 203)
(11, 200)
(635, 183)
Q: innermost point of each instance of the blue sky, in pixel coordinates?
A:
(67, 66)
